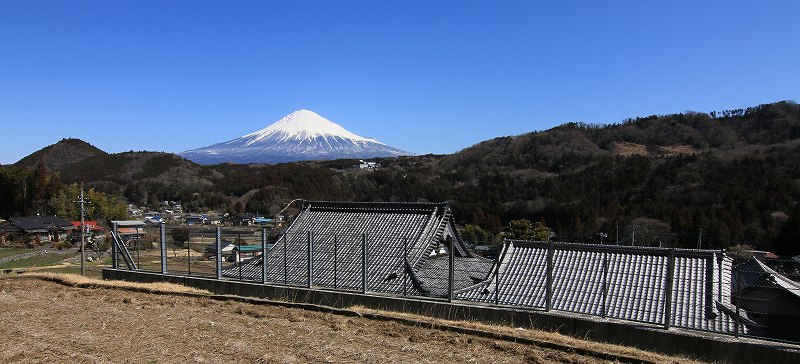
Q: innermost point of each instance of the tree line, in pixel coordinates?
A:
(693, 179)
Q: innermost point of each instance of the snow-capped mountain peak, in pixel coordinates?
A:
(303, 125)
(301, 135)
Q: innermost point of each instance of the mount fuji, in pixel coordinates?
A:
(300, 136)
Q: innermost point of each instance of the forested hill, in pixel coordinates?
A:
(60, 156)
(734, 174)
(572, 145)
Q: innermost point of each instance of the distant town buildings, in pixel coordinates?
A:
(366, 165)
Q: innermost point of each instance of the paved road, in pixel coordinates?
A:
(42, 250)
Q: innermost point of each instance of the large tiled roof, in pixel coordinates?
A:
(635, 281)
(629, 283)
(392, 231)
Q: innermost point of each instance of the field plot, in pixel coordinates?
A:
(49, 322)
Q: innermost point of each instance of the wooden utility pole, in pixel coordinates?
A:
(700, 239)
(82, 205)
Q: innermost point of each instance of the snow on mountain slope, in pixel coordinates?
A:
(301, 135)
(303, 124)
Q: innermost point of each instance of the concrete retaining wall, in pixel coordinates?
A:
(674, 341)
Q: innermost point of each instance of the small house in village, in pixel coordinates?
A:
(39, 228)
(214, 219)
(91, 226)
(211, 249)
(263, 221)
(362, 164)
(91, 229)
(154, 220)
(196, 219)
(243, 252)
(250, 219)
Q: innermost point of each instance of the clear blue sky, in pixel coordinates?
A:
(425, 76)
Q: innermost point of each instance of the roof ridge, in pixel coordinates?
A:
(615, 248)
(426, 237)
(351, 205)
(781, 279)
(297, 218)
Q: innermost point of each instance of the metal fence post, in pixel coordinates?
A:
(451, 266)
(138, 259)
(497, 277)
(605, 284)
(285, 272)
(264, 256)
(310, 257)
(737, 319)
(114, 236)
(403, 264)
(239, 253)
(188, 252)
(218, 241)
(709, 283)
(163, 241)
(719, 275)
(668, 289)
(364, 263)
(335, 261)
(549, 283)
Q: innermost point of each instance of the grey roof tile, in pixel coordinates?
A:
(635, 279)
(38, 223)
(391, 230)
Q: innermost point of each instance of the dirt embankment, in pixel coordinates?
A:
(47, 322)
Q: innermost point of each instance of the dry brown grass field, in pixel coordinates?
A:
(111, 322)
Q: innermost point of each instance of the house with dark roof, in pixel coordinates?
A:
(196, 219)
(403, 246)
(42, 228)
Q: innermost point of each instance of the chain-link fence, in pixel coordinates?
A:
(669, 288)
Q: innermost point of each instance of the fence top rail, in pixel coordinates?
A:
(210, 229)
(602, 248)
(398, 207)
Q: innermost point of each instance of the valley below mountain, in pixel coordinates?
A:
(711, 180)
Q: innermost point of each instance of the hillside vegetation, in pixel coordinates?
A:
(662, 179)
(59, 156)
